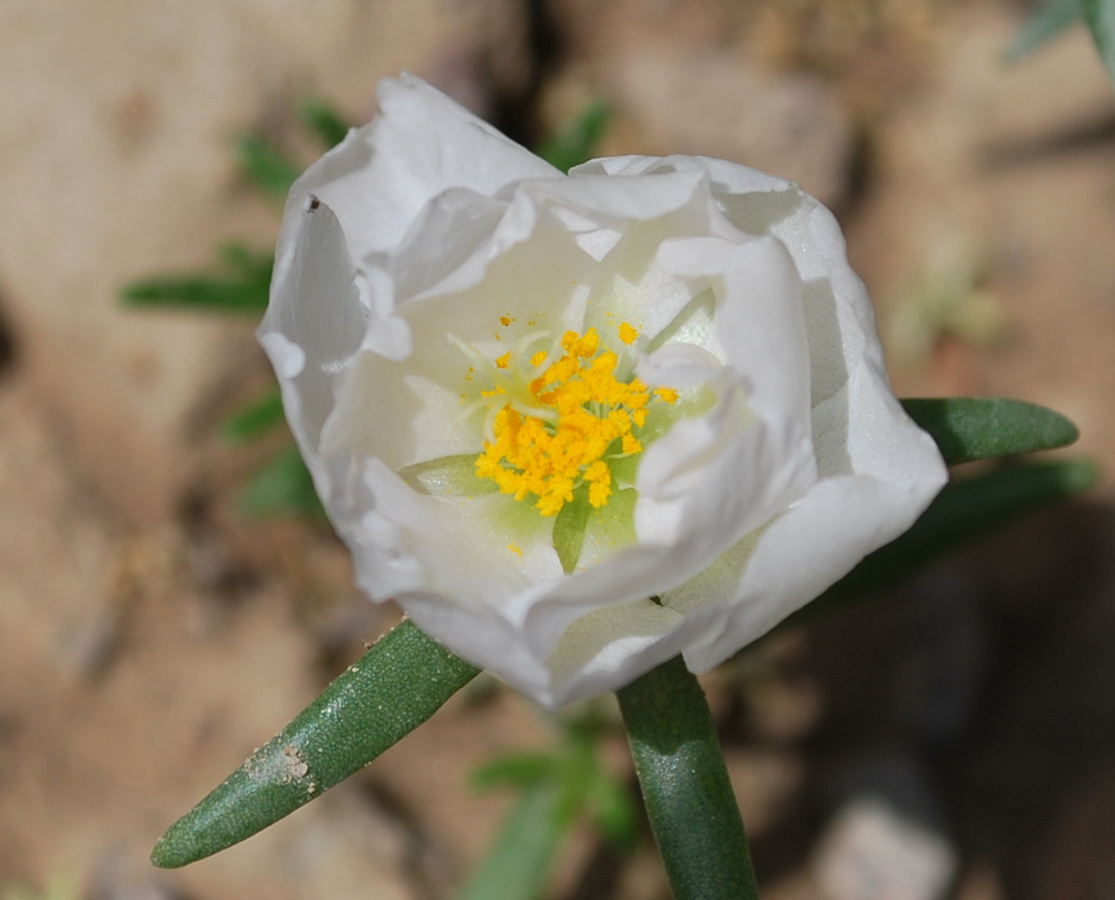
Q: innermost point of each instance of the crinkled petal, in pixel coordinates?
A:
(314, 320)
(451, 246)
(421, 144)
(883, 472)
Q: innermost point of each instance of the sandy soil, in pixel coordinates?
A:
(150, 637)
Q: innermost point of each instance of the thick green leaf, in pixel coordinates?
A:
(255, 419)
(521, 857)
(266, 166)
(1044, 24)
(965, 509)
(971, 428)
(1100, 16)
(574, 143)
(396, 686)
(689, 798)
(324, 121)
(283, 486)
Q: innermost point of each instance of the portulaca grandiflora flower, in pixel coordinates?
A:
(575, 425)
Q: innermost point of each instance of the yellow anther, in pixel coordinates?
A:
(505, 321)
(585, 417)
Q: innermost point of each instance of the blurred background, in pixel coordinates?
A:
(957, 734)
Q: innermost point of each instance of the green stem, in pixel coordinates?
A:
(689, 798)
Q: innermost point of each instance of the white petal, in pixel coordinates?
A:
(895, 471)
(759, 315)
(421, 144)
(314, 309)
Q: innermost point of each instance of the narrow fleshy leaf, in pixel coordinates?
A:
(396, 686)
(283, 486)
(965, 509)
(971, 428)
(570, 525)
(266, 166)
(574, 142)
(255, 419)
(519, 861)
(1100, 16)
(689, 799)
(324, 121)
(1043, 25)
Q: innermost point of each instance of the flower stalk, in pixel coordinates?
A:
(689, 799)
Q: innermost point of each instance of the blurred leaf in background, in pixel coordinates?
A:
(1047, 22)
(948, 299)
(1100, 16)
(559, 787)
(58, 889)
(1057, 16)
(575, 141)
(266, 166)
(239, 285)
(282, 486)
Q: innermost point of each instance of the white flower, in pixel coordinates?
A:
(664, 368)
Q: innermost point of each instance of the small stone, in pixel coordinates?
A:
(872, 852)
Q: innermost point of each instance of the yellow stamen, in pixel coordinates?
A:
(628, 333)
(581, 417)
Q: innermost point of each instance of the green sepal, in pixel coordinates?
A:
(570, 526)
(392, 689)
(1100, 16)
(971, 428)
(689, 799)
(448, 476)
(255, 419)
(965, 509)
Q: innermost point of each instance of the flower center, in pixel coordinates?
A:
(560, 427)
